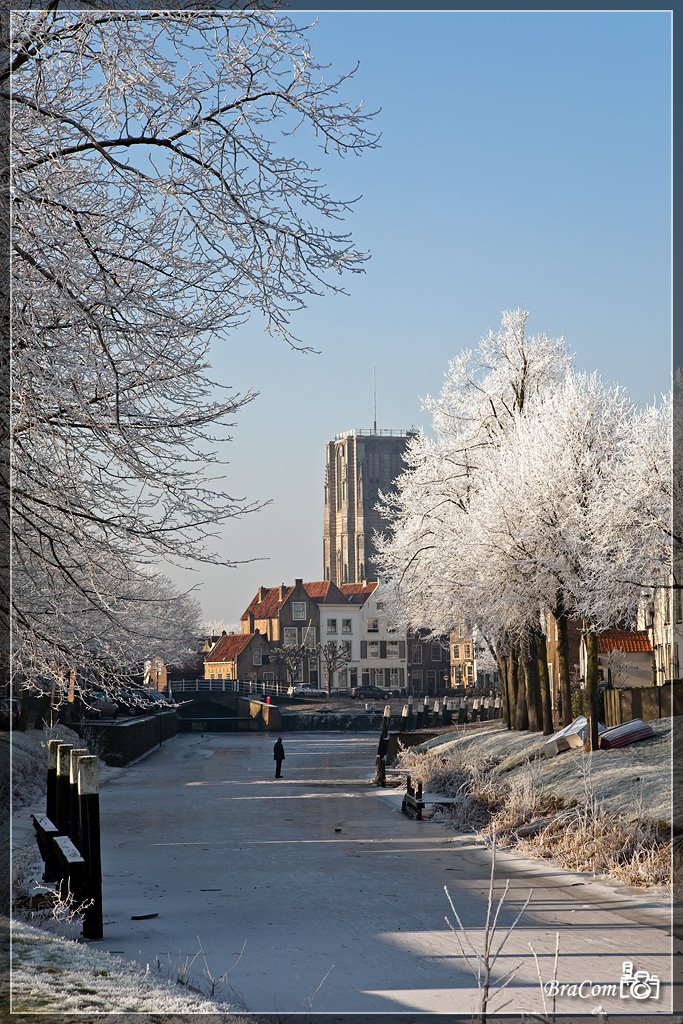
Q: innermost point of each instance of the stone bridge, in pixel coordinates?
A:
(206, 708)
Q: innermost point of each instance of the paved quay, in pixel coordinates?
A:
(317, 895)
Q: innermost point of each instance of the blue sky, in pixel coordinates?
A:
(525, 161)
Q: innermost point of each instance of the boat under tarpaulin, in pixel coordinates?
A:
(572, 736)
(625, 734)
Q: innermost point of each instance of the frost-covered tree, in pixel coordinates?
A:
(165, 186)
(431, 561)
(334, 656)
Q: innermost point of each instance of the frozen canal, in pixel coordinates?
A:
(321, 896)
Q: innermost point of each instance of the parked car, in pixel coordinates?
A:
(98, 705)
(370, 691)
(303, 690)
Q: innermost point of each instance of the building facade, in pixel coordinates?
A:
(428, 662)
(359, 464)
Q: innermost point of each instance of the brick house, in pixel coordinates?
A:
(240, 656)
(462, 656)
(289, 616)
(428, 663)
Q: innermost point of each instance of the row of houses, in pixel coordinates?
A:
(347, 618)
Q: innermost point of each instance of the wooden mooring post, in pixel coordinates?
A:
(51, 804)
(89, 828)
(404, 718)
(381, 759)
(410, 712)
(62, 804)
(74, 827)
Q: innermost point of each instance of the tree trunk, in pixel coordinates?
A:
(564, 682)
(544, 683)
(518, 708)
(592, 687)
(532, 684)
(504, 688)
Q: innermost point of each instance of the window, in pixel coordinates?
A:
(462, 629)
(373, 649)
(380, 606)
(257, 658)
(299, 676)
(417, 655)
(268, 677)
(299, 611)
(392, 648)
(456, 652)
(291, 636)
(346, 626)
(332, 626)
(436, 652)
(312, 665)
(431, 681)
(308, 638)
(373, 625)
(467, 653)
(395, 677)
(346, 646)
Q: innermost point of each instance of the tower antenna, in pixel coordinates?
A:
(374, 398)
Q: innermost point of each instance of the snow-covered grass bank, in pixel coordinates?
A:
(52, 973)
(57, 975)
(608, 812)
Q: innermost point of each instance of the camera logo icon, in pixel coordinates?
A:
(637, 984)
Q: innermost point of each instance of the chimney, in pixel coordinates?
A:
(224, 633)
(298, 583)
(251, 622)
(261, 593)
(281, 591)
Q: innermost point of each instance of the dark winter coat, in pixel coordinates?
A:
(279, 751)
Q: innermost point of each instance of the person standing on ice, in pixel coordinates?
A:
(279, 755)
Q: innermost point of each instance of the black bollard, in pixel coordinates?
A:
(51, 806)
(62, 807)
(404, 719)
(380, 760)
(74, 830)
(89, 826)
(410, 713)
(435, 713)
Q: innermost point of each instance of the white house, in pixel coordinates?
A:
(377, 654)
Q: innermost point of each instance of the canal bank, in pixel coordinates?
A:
(316, 894)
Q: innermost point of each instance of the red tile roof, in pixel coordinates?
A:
(325, 592)
(631, 641)
(358, 593)
(322, 592)
(269, 607)
(230, 646)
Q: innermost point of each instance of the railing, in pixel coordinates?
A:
(240, 686)
(374, 433)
